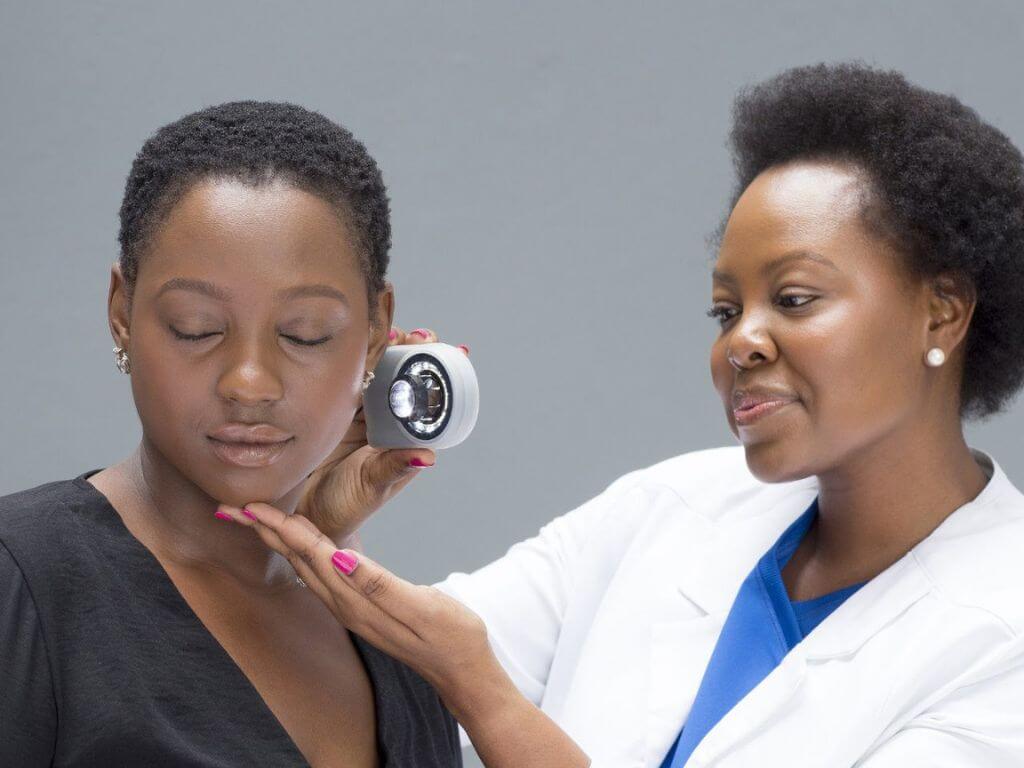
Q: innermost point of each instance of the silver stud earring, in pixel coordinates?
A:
(935, 357)
(367, 378)
(121, 360)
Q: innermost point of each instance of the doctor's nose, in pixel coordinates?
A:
(750, 344)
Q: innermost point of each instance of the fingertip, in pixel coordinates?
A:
(464, 348)
(423, 459)
(425, 334)
(345, 560)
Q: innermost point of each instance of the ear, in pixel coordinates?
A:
(380, 326)
(119, 307)
(951, 302)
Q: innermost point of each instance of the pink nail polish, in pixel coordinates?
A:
(464, 348)
(420, 332)
(249, 514)
(392, 335)
(223, 516)
(344, 562)
(418, 462)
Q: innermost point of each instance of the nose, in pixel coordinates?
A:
(251, 377)
(750, 342)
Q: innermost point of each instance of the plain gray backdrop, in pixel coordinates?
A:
(554, 170)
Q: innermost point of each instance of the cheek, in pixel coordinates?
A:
(327, 395)
(855, 363)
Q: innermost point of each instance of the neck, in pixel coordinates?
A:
(882, 501)
(175, 519)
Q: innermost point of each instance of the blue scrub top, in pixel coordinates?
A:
(761, 628)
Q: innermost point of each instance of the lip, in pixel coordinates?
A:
(249, 433)
(750, 405)
(748, 416)
(249, 455)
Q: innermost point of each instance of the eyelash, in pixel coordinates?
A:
(719, 313)
(293, 339)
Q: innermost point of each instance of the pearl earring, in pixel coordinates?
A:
(935, 357)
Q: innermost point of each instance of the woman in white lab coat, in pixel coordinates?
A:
(846, 587)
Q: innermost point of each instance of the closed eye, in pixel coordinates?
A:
(294, 339)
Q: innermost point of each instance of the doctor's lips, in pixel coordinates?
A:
(249, 445)
(749, 405)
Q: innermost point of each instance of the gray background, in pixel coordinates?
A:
(554, 169)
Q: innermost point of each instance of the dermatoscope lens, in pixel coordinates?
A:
(420, 397)
(402, 399)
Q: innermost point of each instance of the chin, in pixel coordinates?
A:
(239, 487)
(771, 462)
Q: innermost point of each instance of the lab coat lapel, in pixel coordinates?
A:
(774, 715)
(681, 644)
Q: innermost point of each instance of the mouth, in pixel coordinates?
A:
(750, 414)
(248, 454)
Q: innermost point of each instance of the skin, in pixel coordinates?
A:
(846, 340)
(252, 243)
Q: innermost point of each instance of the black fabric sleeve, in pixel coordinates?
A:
(28, 709)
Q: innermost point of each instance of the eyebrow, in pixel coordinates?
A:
(725, 277)
(222, 294)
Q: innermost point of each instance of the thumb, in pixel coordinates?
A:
(385, 472)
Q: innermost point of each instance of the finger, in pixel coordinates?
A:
(420, 336)
(312, 554)
(464, 349)
(387, 471)
(298, 535)
(409, 604)
(243, 516)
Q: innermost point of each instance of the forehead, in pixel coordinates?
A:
(807, 206)
(272, 231)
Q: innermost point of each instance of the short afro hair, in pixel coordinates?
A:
(258, 142)
(946, 187)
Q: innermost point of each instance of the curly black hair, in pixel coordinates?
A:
(258, 142)
(945, 187)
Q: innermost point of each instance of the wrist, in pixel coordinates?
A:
(481, 699)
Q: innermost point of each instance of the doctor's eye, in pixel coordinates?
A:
(722, 313)
(795, 300)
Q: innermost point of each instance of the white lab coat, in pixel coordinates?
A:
(607, 619)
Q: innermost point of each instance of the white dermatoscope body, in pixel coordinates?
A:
(421, 396)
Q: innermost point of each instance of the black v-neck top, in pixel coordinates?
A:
(104, 663)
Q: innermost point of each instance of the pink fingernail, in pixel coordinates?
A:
(464, 348)
(418, 462)
(344, 562)
(249, 514)
(393, 335)
(223, 516)
(421, 332)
